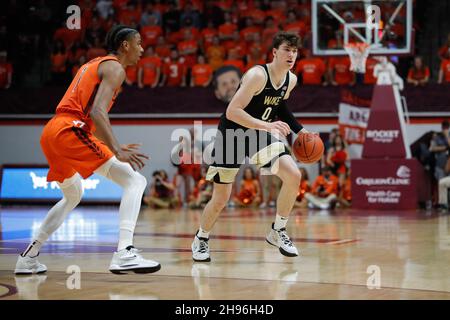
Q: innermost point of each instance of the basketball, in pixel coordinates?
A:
(308, 148)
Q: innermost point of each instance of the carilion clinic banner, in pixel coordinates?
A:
(388, 184)
(30, 184)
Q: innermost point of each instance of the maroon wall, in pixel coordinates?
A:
(202, 100)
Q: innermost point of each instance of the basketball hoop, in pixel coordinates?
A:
(358, 53)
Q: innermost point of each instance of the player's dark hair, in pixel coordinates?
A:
(335, 144)
(117, 35)
(445, 125)
(252, 171)
(155, 173)
(289, 38)
(223, 70)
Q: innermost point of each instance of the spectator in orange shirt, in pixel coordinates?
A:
(238, 44)
(131, 75)
(227, 28)
(174, 71)
(293, 25)
(444, 72)
(150, 32)
(275, 12)
(269, 31)
(339, 71)
(215, 54)
(257, 43)
(149, 69)
(131, 15)
(255, 13)
(369, 78)
(419, 74)
(255, 56)
(68, 36)
(6, 71)
(304, 188)
(172, 37)
(445, 49)
(59, 60)
(96, 50)
(208, 34)
(162, 48)
(188, 27)
(188, 49)
(233, 60)
(324, 191)
(201, 73)
(249, 30)
(311, 69)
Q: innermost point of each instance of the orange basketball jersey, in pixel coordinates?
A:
(79, 97)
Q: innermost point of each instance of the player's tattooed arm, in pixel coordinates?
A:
(252, 82)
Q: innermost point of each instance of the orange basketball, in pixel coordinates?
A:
(308, 148)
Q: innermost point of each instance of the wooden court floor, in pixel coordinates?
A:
(345, 254)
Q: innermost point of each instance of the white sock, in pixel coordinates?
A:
(33, 249)
(280, 222)
(125, 239)
(202, 233)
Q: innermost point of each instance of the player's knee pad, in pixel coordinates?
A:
(72, 189)
(139, 181)
(122, 174)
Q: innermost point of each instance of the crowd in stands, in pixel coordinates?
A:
(186, 41)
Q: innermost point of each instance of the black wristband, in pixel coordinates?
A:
(284, 114)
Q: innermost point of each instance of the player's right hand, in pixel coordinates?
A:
(280, 126)
(130, 155)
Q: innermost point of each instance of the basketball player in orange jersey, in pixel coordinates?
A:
(258, 109)
(79, 141)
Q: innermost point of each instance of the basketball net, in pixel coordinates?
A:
(358, 53)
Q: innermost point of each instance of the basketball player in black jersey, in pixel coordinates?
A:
(255, 117)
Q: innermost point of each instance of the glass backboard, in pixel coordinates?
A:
(386, 25)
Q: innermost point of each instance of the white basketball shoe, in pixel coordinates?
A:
(28, 265)
(200, 249)
(129, 259)
(281, 240)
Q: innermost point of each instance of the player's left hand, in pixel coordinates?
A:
(130, 147)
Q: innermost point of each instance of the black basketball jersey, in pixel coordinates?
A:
(263, 106)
